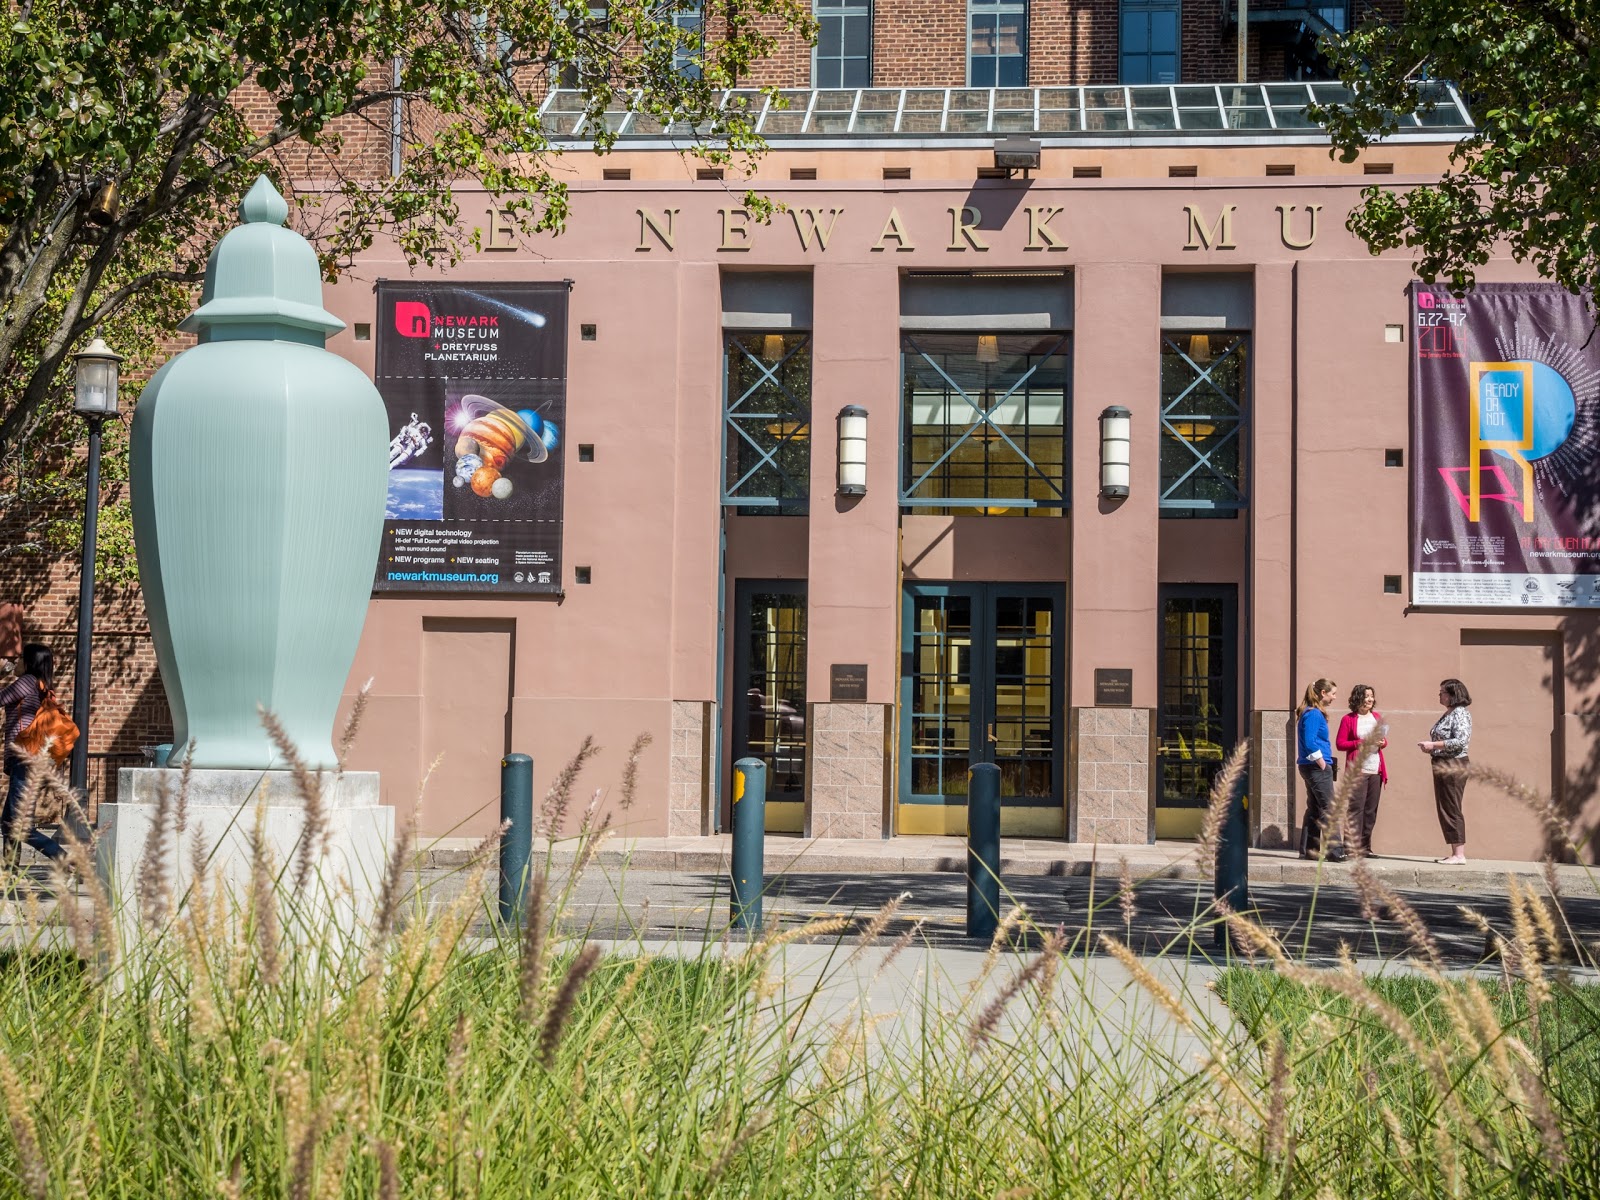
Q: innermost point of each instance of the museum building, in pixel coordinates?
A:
(1065, 428)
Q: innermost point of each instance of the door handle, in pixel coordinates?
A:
(992, 737)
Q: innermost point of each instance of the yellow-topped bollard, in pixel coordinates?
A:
(749, 835)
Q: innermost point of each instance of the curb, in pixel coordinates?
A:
(1266, 868)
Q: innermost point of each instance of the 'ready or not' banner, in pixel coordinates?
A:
(1505, 448)
(474, 376)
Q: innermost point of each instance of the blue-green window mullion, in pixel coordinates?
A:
(766, 425)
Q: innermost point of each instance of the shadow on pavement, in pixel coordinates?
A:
(1311, 922)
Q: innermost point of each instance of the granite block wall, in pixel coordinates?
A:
(1110, 775)
(848, 769)
(686, 801)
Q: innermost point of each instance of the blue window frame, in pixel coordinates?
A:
(844, 44)
(766, 425)
(1336, 15)
(981, 681)
(997, 43)
(1150, 34)
(983, 422)
(1204, 378)
(688, 18)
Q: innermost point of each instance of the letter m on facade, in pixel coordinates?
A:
(1218, 237)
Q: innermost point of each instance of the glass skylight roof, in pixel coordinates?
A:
(1224, 110)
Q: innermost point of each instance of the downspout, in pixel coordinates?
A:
(396, 121)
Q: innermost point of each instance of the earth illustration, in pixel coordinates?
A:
(415, 496)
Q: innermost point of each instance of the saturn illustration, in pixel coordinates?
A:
(489, 436)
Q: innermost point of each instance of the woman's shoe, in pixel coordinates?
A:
(1455, 860)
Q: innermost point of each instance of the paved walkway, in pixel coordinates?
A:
(1021, 857)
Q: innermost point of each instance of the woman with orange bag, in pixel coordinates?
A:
(21, 701)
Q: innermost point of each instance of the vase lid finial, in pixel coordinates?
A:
(263, 203)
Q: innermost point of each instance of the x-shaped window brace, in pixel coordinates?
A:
(1203, 458)
(732, 417)
(907, 494)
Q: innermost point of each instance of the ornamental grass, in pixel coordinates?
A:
(242, 1045)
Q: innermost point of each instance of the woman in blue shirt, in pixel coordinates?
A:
(1315, 760)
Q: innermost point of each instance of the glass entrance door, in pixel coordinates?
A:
(981, 682)
(769, 693)
(1198, 722)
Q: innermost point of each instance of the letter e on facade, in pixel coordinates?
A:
(502, 231)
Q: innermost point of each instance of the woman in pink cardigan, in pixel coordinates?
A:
(1356, 724)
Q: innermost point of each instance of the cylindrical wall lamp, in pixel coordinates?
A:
(852, 451)
(1116, 429)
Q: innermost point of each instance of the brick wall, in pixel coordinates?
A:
(919, 43)
(923, 43)
(1072, 43)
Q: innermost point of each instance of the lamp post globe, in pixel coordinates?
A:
(97, 368)
(96, 376)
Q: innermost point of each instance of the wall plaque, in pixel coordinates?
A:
(1113, 687)
(847, 681)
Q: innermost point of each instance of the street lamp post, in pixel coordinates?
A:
(94, 399)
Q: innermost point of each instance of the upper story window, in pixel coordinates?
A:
(1149, 41)
(984, 422)
(586, 20)
(766, 426)
(997, 43)
(688, 18)
(844, 44)
(1203, 382)
(1336, 15)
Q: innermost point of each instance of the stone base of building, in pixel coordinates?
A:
(220, 813)
(1109, 794)
(1271, 818)
(849, 765)
(689, 772)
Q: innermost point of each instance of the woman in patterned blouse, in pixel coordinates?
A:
(1448, 747)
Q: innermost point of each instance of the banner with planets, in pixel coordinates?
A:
(474, 376)
(1505, 447)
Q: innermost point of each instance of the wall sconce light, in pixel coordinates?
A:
(772, 347)
(988, 348)
(1116, 429)
(852, 451)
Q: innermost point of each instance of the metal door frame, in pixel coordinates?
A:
(984, 597)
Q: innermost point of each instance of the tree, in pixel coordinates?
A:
(1528, 179)
(129, 131)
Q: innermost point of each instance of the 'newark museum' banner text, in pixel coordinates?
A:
(1505, 441)
(474, 377)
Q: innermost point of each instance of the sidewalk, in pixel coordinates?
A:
(1022, 857)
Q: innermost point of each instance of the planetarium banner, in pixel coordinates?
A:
(1505, 438)
(475, 380)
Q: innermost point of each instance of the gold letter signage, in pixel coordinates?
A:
(1285, 217)
(1040, 235)
(661, 226)
(1218, 237)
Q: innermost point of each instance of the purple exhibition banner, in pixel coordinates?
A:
(1505, 447)
(474, 376)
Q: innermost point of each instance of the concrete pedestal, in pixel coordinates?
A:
(221, 808)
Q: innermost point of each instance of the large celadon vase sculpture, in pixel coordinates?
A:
(258, 470)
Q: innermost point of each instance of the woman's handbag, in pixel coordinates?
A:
(49, 723)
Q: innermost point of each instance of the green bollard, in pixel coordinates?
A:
(983, 850)
(516, 806)
(749, 834)
(1233, 859)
